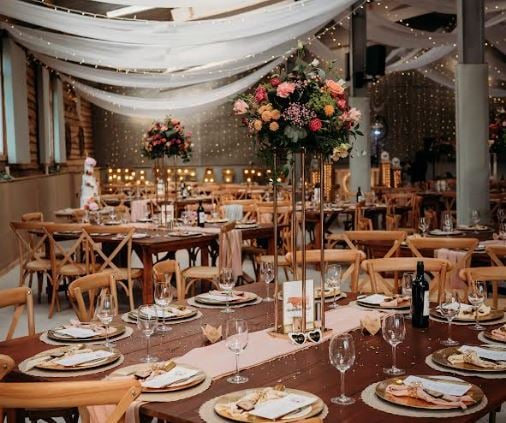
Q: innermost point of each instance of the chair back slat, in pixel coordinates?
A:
(492, 274)
(19, 298)
(170, 268)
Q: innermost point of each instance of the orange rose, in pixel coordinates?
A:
(266, 116)
(257, 124)
(274, 126)
(328, 110)
(334, 87)
(276, 114)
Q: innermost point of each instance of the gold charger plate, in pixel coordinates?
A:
(327, 294)
(192, 313)
(51, 334)
(379, 307)
(217, 220)
(475, 392)
(248, 298)
(314, 409)
(47, 365)
(493, 315)
(441, 357)
(178, 386)
(489, 335)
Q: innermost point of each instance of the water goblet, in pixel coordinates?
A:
(267, 272)
(147, 322)
(163, 297)
(394, 332)
(450, 307)
(406, 290)
(477, 296)
(227, 284)
(236, 336)
(423, 225)
(475, 218)
(342, 357)
(105, 311)
(333, 281)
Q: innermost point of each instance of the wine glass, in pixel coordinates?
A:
(236, 335)
(333, 281)
(477, 296)
(147, 322)
(502, 231)
(406, 290)
(342, 357)
(185, 218)
(105, 311)
(394, 332)
(267, 271)
(227, 284)
(163, 298)
(447, 222)
(450, 307)
(475, 218)
(423, 225)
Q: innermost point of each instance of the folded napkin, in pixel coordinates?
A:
(163, 314)
(500, 333)
(222, 296)
(78, 333)
(371, 323)
(472, 357)
(211, 333)
(276, 408)
(467, 311)
(177, 374)
(85, 357)
(374, 299)
(395, 302)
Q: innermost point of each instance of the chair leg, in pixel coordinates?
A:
(131, 294)
(54, 298)
(40, 285)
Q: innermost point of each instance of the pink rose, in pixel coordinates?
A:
(260, 94)
(240, 107)
(354, 115)
(341, 103)
(92, 206)
(315, 124)
(334, 87)
(275, 81)
(285, 89)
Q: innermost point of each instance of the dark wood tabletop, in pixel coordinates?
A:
(308, 370)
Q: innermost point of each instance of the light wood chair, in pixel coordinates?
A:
(353, 258)
(101, 261)
(32, 217)
(33, 259)
(376, 267)
(6, 366)
(211, 273)
(360, 222)
(171, 269)
(493, 274)
(92, 285)
(18, 297)
(497, 254)
(78, 215)
(50, 395)
(429, 246)
(68, 241)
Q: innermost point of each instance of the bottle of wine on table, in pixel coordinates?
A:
(420, 298)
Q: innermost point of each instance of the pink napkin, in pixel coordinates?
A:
(453, 257)
(139, 209)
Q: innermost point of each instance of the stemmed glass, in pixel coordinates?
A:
(227, 284)
(147, 323)
(447, 222)
(163, 298)
(450, 307)
(333, 280)
(342, 357)
(394, 332)
(475, 218)
(267, 271)
(406, 290)
(477, 296)
(423, 225)
(502, 231)
(105, 312)
(236, 335)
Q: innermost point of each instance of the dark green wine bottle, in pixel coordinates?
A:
(420, 299)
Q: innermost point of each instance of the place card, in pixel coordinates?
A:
(449, 388)
(273, 409)
(177, 374)
(374, 299)
(292, 305)
(78, 333)
(77, 359)
(492, 354)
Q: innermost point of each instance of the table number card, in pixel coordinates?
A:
(292, 305)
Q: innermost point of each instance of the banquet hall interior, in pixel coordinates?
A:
(252, 211)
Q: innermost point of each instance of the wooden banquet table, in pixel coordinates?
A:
(307, 369)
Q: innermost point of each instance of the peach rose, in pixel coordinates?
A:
(257, 125)
(334, 87)
(240, 107)
(276, 114)
(285, 89)
(266, 116)
(274, 126)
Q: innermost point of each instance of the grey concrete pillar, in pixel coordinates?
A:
(471, 105)
(360, 160)
(471, 95)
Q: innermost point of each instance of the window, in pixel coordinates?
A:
(3, 142)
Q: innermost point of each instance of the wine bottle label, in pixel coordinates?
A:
(426, 303)
(202, 217)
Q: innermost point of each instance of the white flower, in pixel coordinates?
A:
(315, 62)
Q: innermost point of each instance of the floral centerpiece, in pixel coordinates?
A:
(300, 109)
(167, 138)
(497, 132)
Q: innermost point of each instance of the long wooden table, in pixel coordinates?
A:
(308, 369)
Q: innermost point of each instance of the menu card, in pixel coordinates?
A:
(276, 408)
(449, 388)
(168, 378)
(77, 359)
(292, 304)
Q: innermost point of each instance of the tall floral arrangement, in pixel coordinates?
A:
(167, 138)
(497, 132)
(300, 109)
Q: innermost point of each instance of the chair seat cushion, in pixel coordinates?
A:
(39, 265)
(201, 272)
(73, 269)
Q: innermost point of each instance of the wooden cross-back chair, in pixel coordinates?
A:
(410, 204)
(494, 275)
(19, 298)
(360, 222)
(497, 254)
(211, 273)
(90, 286)
(51, 395)
(352, 258)
(32, 217)
(68, 256)
(375, 268)
(169, 268)
(428, 246)
(6, 366)
(78, 215)
(104, 261)
(32, 241)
